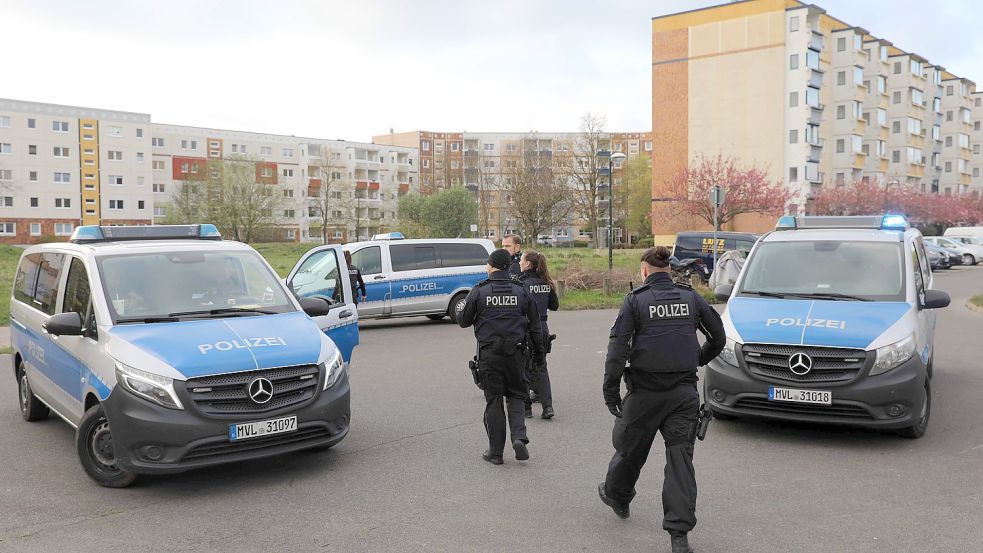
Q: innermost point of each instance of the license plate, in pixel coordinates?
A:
(245, 431)
(822, 397)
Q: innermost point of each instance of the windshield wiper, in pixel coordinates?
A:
(224, 310)
(834, 296)
(169, 319)
(763, 294)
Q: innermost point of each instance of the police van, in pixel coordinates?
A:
(168, 348)
(831, 320)
(406, 278)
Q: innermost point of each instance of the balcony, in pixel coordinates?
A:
(404, 187)
(882, 165)
(859, 160)
(815, 153)
(816, 78)
(816, 115)
(816, 41)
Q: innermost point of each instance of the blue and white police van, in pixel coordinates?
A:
(405, 278)
(168, 348)
(831, 320)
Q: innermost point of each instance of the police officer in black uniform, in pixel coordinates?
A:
(536, 276)
(505, 319)
(512, 243)
(656, 333)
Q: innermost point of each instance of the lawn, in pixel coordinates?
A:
(977, 301)
(283, 256)
(9, 255)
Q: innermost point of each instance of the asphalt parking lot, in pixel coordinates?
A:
(409, 477)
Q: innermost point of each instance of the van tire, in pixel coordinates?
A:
(968, 259)
(94, 442)
(452, 308)
(918, 429)
(31, 408)
(436, 317)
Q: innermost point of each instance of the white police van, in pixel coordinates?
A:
(831, 320)
(406, 278)
(167, 349)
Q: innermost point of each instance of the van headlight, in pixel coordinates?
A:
(729, 353)
(890, 356)
(152, 387)
(333, 368)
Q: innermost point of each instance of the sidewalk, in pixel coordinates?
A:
(4, 336)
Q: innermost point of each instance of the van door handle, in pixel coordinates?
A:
(345, 314)
(378, 277)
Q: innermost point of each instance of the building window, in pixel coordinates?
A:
(160, 211)
(63, 177)
(6, 201)
(948, 90)
(158, 165)
(62, 126)
(288, 172)
(425, 146)
(34, 202)
(159, 187)
(288, 152)
(288, 193)
(841, 44)
(793, 99)
(64, 229)
(897, 68)
(8, 229)
(426, 163)
(289, 213)
(115, 155)
(948, 142)
(948, 115)
(6, 148)
(896, 97)
(841, 111)
(6, 175)
(793, 24)
(157, 142)
(976, 172)
(265, 151)
(140, 204)
(793, 136)
(896, 156)
(948, 167)
(33, 123)
(116, 180)
(60, 151)
(266, 172)
(139, 133)
(139, 156)
(35, 229)
(63, 203)
(840, 146)
(4, 121)
(33, 176)
(114, 131)
(793, 174)
(115, 204)
(895, 127)
(841, 77)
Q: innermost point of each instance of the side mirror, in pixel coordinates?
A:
(64, 324)
(723, 291)
(935, 299)
(315, 307)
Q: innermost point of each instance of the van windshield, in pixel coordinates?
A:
(172, 285)
(827, 269)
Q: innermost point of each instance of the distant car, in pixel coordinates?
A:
(963, 231)
(967, 240)
(938, 258)
(971, 253)
(699, 245)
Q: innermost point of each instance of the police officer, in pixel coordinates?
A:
(355, 276)
(513, 244)
(536, 277)
(503, 314)
(656, 333)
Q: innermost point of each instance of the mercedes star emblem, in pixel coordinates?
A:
(261, 390)
(800, 363)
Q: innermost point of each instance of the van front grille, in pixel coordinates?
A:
(829, 365)
(228, 394)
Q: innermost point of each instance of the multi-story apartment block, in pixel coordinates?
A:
(361, 182)
(61, 166)
(484, 161)
(814, 101)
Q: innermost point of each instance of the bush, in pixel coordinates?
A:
(646, 242)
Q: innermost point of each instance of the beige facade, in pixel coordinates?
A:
(785, 86)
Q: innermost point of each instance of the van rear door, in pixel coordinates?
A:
(323, 273)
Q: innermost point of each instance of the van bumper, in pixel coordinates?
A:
(868, 401)
(150, 439)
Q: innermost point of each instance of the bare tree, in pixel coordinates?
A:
(584, 169)
(331, 191)
(538, 195)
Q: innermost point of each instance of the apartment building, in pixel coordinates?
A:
(61, 166)
(363, 182)
(815, 101)
(483, 162)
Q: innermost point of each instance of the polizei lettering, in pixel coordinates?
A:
(244, 343)
(669, 311)
(540, 288)
(420, 287)
(502, 301)
(817, 323)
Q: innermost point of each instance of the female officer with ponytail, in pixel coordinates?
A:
(536, 277)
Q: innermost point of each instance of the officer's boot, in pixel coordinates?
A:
(548, 412)
(528, 410)
(680, 543)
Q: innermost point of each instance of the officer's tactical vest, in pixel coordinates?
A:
(665, 339)
(540, 290)
(501, 312)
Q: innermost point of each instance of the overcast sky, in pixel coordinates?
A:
(351, 69)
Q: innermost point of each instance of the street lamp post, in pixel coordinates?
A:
(615, 156)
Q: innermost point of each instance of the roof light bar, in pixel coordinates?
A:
(878, 222)
(92, 233)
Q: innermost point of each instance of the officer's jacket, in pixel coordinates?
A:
(542, 292)
(514, 267)
(502, 310)
(656, 331)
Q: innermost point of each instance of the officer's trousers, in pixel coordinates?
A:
(673, 413)
(503, 379)
(539, 382)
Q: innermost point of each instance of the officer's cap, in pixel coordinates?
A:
(500, 259)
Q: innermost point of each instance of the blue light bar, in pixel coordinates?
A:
(894, 222)
(786, 223)
(389, 236)
(88, 234)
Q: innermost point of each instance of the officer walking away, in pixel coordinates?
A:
(503, 314)
(536, 276)
(656, 333)
(513, 244)
(355, 275)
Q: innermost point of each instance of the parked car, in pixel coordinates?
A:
(968, 240)
(939, 258)
(971, 254)
(699, 245)
(963, 231)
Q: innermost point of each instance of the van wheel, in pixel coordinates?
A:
(968, 259)
(436, 317)
(918, 429)
(31, 408)
(456, 305)
(94, 442)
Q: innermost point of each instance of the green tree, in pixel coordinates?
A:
(636, 177)
(447, 214)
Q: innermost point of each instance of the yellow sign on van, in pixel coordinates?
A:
(707, 246)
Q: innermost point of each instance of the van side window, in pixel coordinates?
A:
(687, 246)
(462, 255)
(923, 266)
(318, 276)
(369, 260)
(77, 297)
(46, 293)
(744, 246)
(26, 278)
(411, 257)
(916, 265)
